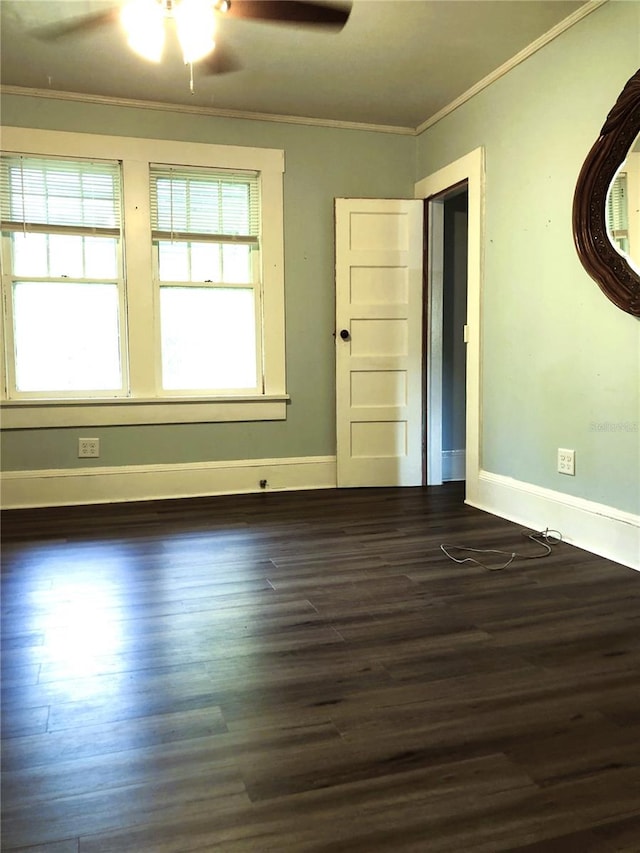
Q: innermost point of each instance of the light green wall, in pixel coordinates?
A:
(558, 357)
(321, 164)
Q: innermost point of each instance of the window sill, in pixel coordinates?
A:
(43, 414)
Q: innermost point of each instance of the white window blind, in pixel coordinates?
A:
(205, 205)
(47, 195)
(618, 212)
(617, 208)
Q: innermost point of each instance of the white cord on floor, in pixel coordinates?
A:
(546, 538)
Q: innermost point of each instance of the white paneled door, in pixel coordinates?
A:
(379, 342)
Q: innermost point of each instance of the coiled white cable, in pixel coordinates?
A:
(546, 538)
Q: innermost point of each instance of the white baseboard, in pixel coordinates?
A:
(70, 486)
(598, 528)
(601, 529)
(453, 465)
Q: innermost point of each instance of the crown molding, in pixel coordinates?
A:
(510, 64)
(549, 36)
(203, 111)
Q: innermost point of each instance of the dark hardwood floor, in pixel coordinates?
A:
(308, 672)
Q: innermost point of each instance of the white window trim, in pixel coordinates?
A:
(144, 406)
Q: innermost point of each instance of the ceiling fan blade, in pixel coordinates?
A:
(76, 26)
(290, 12)
(223, 60)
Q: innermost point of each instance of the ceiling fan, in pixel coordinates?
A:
(144, 22)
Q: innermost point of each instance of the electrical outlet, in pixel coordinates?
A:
(566, 461)
(88, 448)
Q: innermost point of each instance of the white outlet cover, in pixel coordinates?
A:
(88, 448)
(566, 461)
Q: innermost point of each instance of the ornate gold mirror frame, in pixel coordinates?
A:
(613, 273)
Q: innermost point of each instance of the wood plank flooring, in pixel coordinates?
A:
(308, 672)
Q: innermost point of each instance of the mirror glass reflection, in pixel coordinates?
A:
(623, 208)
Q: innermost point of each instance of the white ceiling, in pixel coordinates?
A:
(396, 62)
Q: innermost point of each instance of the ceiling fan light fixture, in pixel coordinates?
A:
(143, 22)
(196, 26)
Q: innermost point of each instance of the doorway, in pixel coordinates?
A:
(445, 301)
(466, 172)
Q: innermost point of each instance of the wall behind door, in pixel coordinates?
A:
(454, 305)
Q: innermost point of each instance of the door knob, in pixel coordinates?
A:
(344, 334)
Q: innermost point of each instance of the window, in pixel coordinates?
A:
(142, 281)
(205, 228)
(64, 297)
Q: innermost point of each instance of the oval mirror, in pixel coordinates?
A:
(606, 217)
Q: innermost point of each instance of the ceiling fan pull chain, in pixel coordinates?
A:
(191, 78)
